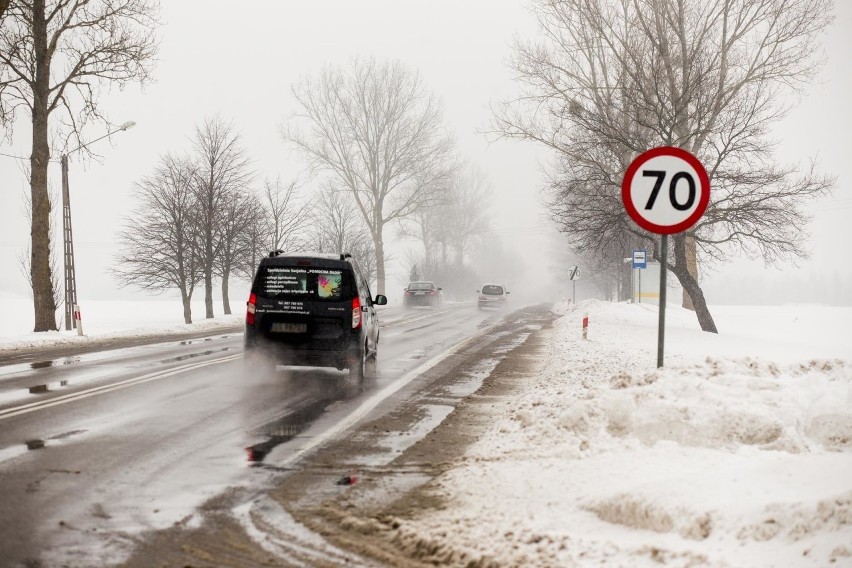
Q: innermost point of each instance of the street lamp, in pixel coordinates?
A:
(67, 241)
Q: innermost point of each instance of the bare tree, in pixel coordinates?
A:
(613, 78)
(253, 240)
(607, 271)
(238, 217)
(157, 241)
(4, 5)
(25, 256)
(222, 171)
(449, 227)
(285, 215)
(55, 55)
(424, 226)
(466, 214)
(379, 134)
(337, 227)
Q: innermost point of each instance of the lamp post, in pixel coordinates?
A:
(67, 240)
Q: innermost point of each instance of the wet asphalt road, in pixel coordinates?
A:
(96, 448)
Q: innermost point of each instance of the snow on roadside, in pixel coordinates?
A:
(104, 322)
(737, 453)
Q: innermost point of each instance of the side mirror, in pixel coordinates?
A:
(477, 291)
(439, 288)
(380, 300)
(508, 292)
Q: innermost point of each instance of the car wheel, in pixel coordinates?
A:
(371, 366)
(358, 370)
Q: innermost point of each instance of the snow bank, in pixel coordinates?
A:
(106, 321)
(724, 457)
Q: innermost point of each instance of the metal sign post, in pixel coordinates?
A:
(661, 324)
(574, 274)
(665, 190)
(640, 261)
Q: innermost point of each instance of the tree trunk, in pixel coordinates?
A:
(690, 285)
(208, 248)
(380, 264)
(226, 302)
(208, 265)
(187, 306)
(692, 267)
(44, 305)
(208, 292)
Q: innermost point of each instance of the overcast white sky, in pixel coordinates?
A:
(241, 63)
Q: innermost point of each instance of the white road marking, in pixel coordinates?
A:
(376, 399)
(41, 405)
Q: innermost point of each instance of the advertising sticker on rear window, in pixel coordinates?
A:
(328, 284)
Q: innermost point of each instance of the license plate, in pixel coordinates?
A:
(419, 293)
(279, 327)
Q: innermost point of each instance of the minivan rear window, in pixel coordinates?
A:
(492, 290)
(313, 284)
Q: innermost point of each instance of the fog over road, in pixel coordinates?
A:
(135, 439)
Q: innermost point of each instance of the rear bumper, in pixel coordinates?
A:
(340, 354)
(421, 300)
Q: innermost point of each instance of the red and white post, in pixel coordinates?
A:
(585, 326)
(78, 319)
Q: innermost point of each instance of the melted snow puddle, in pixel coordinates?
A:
(397, 442)
(470, 383)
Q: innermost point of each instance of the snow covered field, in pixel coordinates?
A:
(737, 453)
(104, 320)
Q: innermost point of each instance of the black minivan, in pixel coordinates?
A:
(312, 310)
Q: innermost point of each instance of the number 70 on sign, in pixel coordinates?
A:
(665, 190)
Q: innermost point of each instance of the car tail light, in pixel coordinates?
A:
(250, 309)
(356, 313)
(482, 297)
(433, 292)
(408, 292)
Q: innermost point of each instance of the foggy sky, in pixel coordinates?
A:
(240, 64)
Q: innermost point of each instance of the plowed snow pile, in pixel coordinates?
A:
(737, 453)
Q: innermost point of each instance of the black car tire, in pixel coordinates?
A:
(358, 372)
(371, 366)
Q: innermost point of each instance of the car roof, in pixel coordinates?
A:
(323, 260)
(420, 282)
(304, 254)
(493, 284)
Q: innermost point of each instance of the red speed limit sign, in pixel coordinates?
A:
(665, 190)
